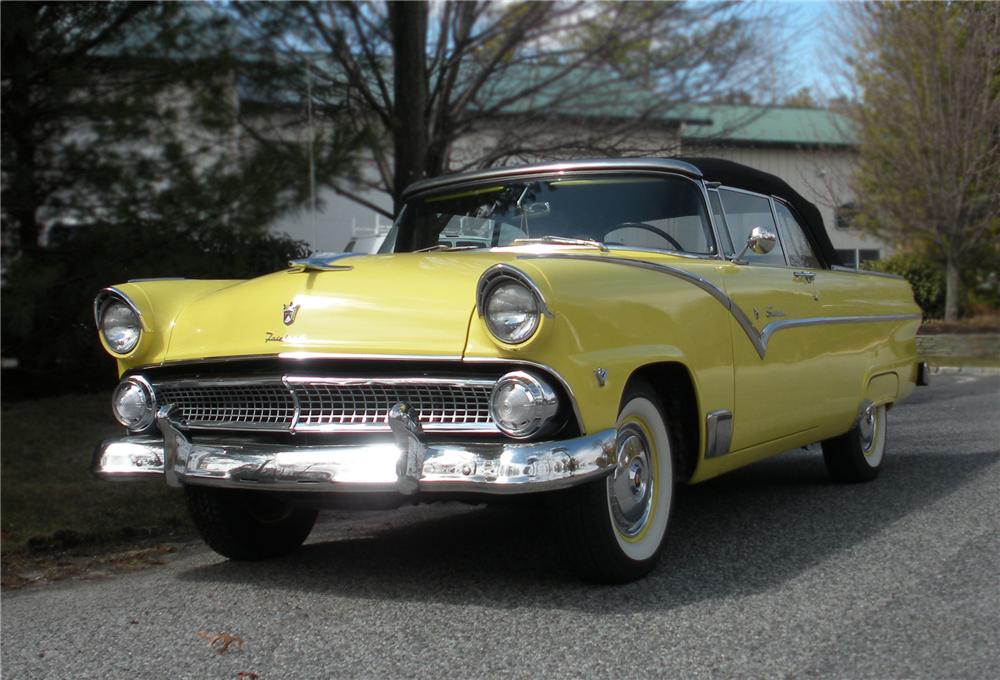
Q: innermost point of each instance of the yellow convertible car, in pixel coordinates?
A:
(597, 331)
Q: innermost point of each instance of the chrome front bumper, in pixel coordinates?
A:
(407, 465)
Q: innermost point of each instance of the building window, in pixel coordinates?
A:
(867, 256)
(849, 258)
(844, 214)
(853, 257)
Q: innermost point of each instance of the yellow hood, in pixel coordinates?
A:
(406, 304)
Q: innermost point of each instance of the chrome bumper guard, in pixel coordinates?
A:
(406, 466)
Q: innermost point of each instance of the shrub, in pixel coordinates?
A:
(926, 277)
(48, 323)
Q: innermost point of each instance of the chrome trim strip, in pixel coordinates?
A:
(490, 278)
(852, 270)
(616, 165)
(338, 355)
(711, 223)
(758, 339)
(687, 276)
(777, 229)
(718, 433)
(488, 468)
(775, 326)
(365, 382)
(664, 251)
(303, 356)
(102, 297)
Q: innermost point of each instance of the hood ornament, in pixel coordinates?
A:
(288, 313)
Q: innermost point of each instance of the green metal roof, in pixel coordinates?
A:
(766, 125)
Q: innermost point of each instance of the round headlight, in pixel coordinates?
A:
(120, 326)
(522, 405)
(133, 404)
(511, 312)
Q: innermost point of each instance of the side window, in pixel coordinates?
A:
(800, 253)
(720, 221)
(743, 213)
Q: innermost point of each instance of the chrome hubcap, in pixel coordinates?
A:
(867, 427)
(631, 485)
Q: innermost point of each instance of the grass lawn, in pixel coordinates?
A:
(49, 498)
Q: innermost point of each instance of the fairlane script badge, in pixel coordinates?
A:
(288, 313)
(271, 337)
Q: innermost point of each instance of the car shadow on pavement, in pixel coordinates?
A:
(741, 534)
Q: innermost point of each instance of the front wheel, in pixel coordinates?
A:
(613, 529)
(248, 525)
(857, 455)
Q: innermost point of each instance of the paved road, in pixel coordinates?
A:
(770, 572)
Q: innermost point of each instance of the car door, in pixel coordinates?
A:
(778, 372)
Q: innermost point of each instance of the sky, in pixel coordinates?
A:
(813, 45)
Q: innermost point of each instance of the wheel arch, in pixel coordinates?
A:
(675, 388)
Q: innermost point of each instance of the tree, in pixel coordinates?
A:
(127, 113)
(929, 125)
(49, 49)
(124, 157)
(451, 86)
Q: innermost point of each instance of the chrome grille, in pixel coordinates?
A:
(256, 404)
(303, 404)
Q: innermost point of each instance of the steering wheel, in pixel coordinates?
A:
(648, 227)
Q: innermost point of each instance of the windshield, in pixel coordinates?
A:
(666, 213)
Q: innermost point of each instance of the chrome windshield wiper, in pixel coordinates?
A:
(563, 241)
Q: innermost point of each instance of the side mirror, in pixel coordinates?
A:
(760, 242)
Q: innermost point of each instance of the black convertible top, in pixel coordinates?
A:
(744, 177)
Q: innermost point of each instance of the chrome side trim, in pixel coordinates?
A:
(487, 468)
(759, 340)
(718, 433)
(852, 270)
(770, 329)
(687, 276)
(498, 272)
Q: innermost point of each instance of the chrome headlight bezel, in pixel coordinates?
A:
(497, 278)
(543, 402)
(143, 387)
(105, 301)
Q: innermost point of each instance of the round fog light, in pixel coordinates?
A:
(521, 404)
(133, 404)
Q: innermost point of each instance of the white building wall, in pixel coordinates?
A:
(336, 220)
(821, 176)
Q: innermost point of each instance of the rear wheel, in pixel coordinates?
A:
(857, 455)
(613, 529)
(248, 525)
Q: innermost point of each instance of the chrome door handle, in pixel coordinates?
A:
(805, 276)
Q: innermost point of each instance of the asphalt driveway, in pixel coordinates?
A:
(771, 571)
